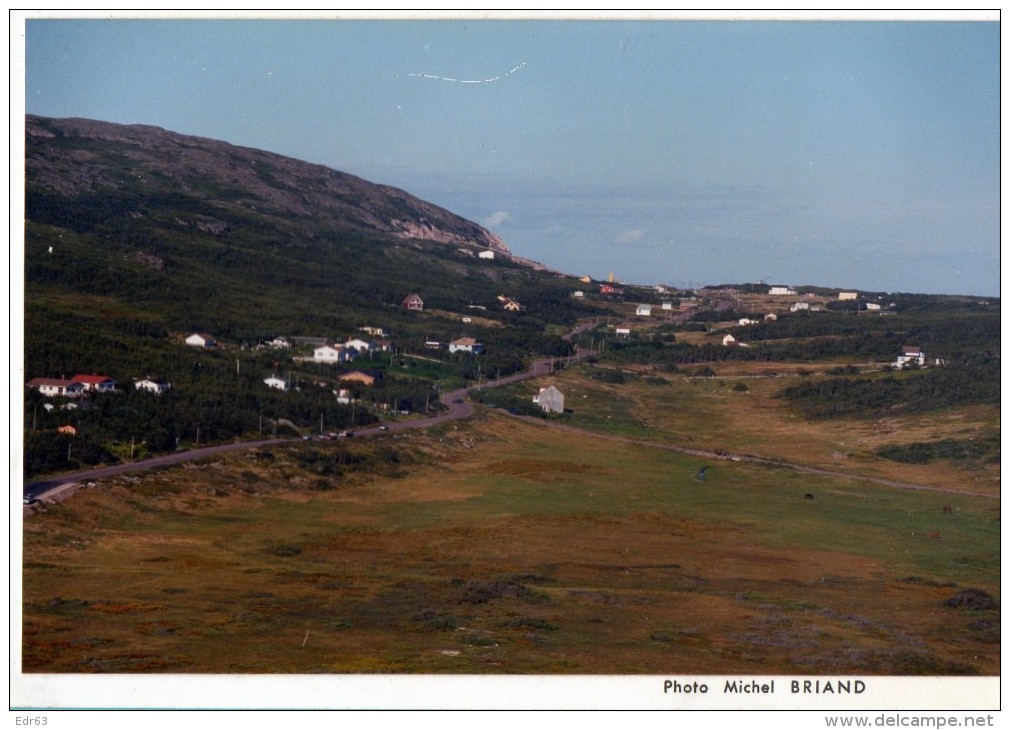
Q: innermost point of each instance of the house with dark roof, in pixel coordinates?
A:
(57, 387)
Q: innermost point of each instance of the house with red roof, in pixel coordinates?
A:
(95, 383)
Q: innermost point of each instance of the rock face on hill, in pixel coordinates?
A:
(216, 184)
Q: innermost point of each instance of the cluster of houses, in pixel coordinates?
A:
(414, 303)
(358, 377)
(340, 352)
(82, 385)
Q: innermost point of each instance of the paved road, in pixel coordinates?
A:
(459, 407)
(456, 401)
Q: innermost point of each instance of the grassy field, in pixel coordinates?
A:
(739, 411)
(505, 546)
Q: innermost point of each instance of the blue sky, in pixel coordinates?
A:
(845, 154)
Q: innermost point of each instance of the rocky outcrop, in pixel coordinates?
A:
(83, 157)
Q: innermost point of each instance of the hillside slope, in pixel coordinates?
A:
(90, 160)
(195, 233)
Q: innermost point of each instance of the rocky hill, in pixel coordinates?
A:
(85, 159)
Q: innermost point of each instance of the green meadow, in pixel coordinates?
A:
(508, 546)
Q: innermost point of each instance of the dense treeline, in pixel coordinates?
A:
(967, 383)
(969, 453)
(946, 333)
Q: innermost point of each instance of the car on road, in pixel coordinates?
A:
(383, 427)
(346, 434)
(30, 500)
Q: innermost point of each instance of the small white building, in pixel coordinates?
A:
(909, 356)
(486, 255)
(800, 306)
(333, 354)
(153, 386)
(279, 343)
(643, 310)
(781, 291)
(550, 399)
(278, 383)
(201, 339)
(466, 344)
(362, 346)
(667, 306)
(847, 296)
(729, 340)
(873, 307)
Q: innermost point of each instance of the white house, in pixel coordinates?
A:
(847, 296)
(667, 306)
(550, 399)
(362, 346)
(643, 310)
(486, 255)
(153, 386)
(910, 355)
(873, 307)
(279, 383)
(798, 306)
(466, 344)
(781, 291)
(56, 387)
(746, 321)
(333, 353)
(373, 331)
(97, 383)
(279, 343)
(623, 331)
(201, 339)
(729, 340)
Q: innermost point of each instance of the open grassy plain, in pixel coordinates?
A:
(739, 411)
(508, 546)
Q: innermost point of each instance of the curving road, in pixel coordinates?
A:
(454, 400)
(459, 408)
